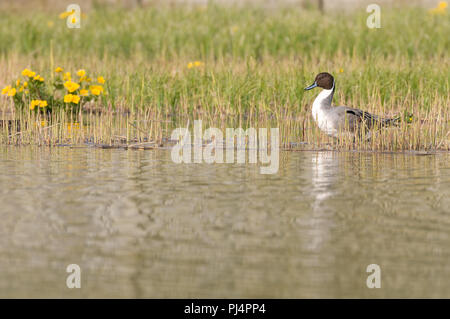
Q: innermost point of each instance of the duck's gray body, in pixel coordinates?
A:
(342, 120)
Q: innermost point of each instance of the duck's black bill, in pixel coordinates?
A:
(312, 86)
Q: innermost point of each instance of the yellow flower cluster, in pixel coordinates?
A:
(32, 75)
(38, 78)
(96, 89)
(83, 77)
(23, 87)
(40, 103)
(75, 86)
(12, 91)
(29, 73)
(81, 73)
(76, 91)
(195, 64)
(8, 90)
(71, 98)
(440, 9)
(71, 86)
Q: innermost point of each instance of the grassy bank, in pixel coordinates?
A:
(254, 66)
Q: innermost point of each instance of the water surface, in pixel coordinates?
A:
(139, 225)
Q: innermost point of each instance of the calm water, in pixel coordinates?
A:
(141, 226)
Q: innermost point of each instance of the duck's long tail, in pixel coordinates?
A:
(394, 121)
(373, 121)
(376, 120)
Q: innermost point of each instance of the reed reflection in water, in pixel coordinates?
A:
(141, 226)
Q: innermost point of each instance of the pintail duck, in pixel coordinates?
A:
(340, 120)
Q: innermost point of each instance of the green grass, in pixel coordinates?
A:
(256, 64)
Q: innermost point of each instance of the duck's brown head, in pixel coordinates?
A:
(324, 80)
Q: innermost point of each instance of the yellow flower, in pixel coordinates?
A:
(68, 98)
(65, 14)
(341, 70)
(75, 99)
(59, 69)
(34, 103)
(84, 92)
(40, 103)
(25, 84)
(6, 89)
(28, 73)
(67, 76)
(25, 72)
(38, 78)
(74, 20)
(96, 89)
(88, 80)
(101, 80)
(71, 86)
(440, 9)
(18, 82)
(195, 64)
(81, 73)
(71, 98)
(83, 78)
(12, 92)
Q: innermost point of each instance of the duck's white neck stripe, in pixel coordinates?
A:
(324, 98)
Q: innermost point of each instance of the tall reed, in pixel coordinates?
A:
(253, 66)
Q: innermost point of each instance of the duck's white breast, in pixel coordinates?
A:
(321, 120)
(321, 108)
